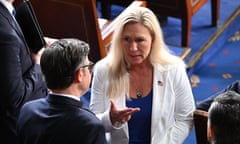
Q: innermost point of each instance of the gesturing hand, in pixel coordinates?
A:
(121, 115)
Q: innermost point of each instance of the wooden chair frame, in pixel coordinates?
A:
(200, 123)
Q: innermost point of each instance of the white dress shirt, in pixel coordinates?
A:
(8, 5)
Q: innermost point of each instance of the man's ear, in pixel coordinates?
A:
(78, 75)
(210, 133)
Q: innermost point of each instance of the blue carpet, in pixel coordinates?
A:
(222, 69)
(220, 64)
(218, 67)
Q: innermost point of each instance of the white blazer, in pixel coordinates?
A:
(172, 106)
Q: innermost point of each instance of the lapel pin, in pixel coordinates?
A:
(160, 83)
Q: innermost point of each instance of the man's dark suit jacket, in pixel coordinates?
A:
(58, 120)
(205, 104)
(20, 79)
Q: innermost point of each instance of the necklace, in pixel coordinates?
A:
(140, 82)
(139, 93)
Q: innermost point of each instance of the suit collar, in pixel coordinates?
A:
(67, 95)
(66, 101)
(7, 5)
(61, 100)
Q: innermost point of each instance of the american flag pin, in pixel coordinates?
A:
(160, 83)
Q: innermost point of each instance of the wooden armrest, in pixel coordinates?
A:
(185, 53)
(200, 123)
(201, 113)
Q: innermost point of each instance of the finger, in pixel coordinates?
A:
(113, 105)
(126, 114)
(125, 119)
(129, 111)
(40, 52)
(129, 117)
(114, 112)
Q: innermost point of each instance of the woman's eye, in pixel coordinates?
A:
(126, 39)
(139, 40)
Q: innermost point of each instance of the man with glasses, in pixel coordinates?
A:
(61, 118)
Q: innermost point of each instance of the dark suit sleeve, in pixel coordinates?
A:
(205, 104)
(20, 79)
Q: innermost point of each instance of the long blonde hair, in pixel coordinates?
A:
(160, 54)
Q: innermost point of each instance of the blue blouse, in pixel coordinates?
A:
(139, 126)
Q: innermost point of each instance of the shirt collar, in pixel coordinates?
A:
(8, 5)
(67, 95)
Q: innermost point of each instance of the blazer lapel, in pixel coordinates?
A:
(12, 21)
(17, 28)
(15, 25)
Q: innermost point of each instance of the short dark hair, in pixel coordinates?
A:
(60, 61)
(224, 117)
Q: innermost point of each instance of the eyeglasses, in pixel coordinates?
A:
(90, 66)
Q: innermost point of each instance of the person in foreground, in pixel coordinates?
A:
(224, 119)
(20, 76)
(205, 104)
(140, 90)
(60, 118)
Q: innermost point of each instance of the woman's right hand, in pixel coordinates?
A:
(121, 115)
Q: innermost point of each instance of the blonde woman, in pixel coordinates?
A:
(141, 91)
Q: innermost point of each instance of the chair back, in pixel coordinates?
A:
(71, 19)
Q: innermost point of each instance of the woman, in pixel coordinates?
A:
(141, 91)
